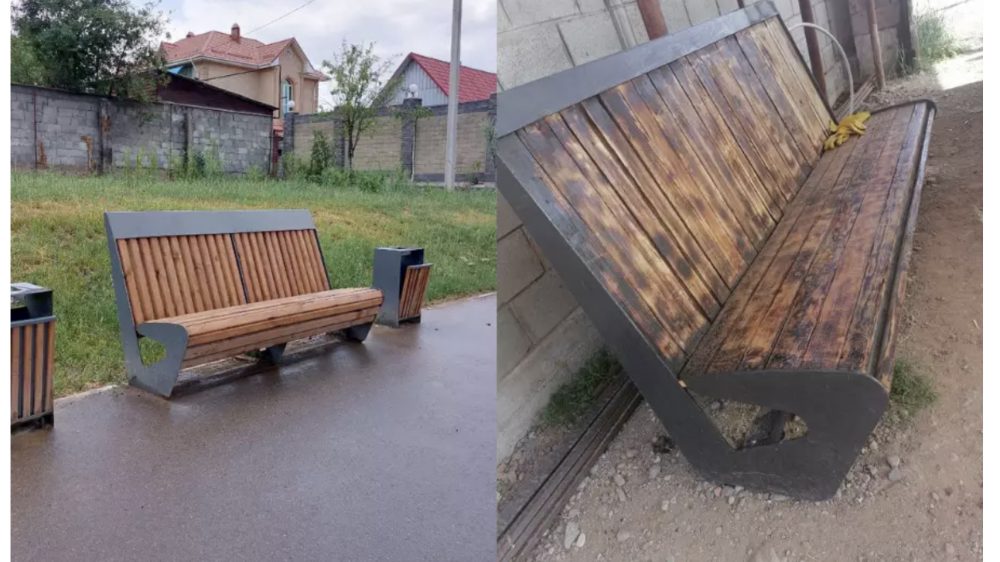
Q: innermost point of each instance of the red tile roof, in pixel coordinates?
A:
(222, 46)
(473, 84)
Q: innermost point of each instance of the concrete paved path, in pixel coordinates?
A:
(381, 451)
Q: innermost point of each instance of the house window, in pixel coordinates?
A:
(286, 96)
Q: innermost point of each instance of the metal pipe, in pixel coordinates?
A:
(34, 126)
(876, 45)
(652, 18)
(812, 43)
(843, 57)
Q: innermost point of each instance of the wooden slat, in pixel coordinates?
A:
(316, 258)
(39, 370)
(623, 167)
(820, 253)
(131, 282)
(231, 314)
(838, 306)
(425, 281)
(769, 96)
(703, 188)
(51, 377)
(164, 262)
(794, 64)
(186, 303)
(30, 361)
(152, 281)
(255, 322)
(16, 336)
(298, 252)
(745, 95)
(627, 249)
(269, 288)
(200, 247)
(162, 282)
(288, 254)
(758, 46)
(196, 281)
(684, 280)
(731, 319)
(731, 176)
(874, 296)
(285, 267)
(750, 347)
(279, 334)
(637, 122)
(414, 288)
(249, 265)
(273, 266)
(226, 242)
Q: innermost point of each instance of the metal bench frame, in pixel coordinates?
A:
(810, 467)
(161, 376)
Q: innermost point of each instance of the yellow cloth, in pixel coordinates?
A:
(854, 123)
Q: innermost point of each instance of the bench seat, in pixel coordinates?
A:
(811, 299)
(224, 332)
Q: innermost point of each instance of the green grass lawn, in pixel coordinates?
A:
(58, 241)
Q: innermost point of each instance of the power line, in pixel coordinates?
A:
(282, 17)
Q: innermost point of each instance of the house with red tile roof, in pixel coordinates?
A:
(432, 77)
(276, 73)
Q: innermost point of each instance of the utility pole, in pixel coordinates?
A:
(456, 40)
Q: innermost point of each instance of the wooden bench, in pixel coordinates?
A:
(750, 283)
(214, 284)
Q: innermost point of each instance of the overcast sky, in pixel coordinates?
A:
(397, 27)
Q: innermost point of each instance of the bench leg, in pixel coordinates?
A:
(356, 333)
(159, 378)
(273, 354)
(840, 410)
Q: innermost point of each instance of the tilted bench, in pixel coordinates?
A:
(214, 284)
(750, 284)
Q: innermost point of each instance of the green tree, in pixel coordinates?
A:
(24, 65)
(321, 156)
(360, 90)
(95, 46)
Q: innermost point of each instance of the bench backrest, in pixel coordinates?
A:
(172, 263)
(651, 178)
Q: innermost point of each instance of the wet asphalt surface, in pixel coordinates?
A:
(379, 451)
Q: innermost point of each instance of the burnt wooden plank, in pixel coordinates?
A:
(637, 123)
(702, 88)
(794, 64)
(571, 227)
(733, 73)
(871, 301)
(806, 130)
(703, 184)
(620, 195)
(622, 242)
(786, 326)
(838, 307)
(625, 168)
(803, 96)
(732, 177)
(732, 317)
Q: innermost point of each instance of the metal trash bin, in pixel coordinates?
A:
(32, 355)
(402, 276)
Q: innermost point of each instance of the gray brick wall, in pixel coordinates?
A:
(156, 131)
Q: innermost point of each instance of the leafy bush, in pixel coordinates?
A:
(321, 157)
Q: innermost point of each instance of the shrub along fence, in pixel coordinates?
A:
(410, 142)
(80, 132)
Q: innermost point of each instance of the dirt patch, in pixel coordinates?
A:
(915, 494)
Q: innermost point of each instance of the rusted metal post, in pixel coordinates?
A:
(876, 45)
(812, 43)
(652, 18)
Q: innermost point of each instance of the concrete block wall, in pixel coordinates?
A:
(157, 131)
(379, 147)
(537, 39)
(543, 336)
(62, 120)
(415, 145)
